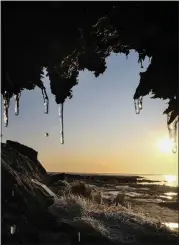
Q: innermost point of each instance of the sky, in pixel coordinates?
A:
(102, 132)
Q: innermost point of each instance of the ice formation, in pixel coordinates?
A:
(172, 128)
(6, 108)
(61, 122)
(46, 101)
(16, 98)
(138, 104)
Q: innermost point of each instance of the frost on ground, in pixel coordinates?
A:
(116, 223)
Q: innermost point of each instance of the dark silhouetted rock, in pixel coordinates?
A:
(23, 202)
(54, 238)
(24, 150)
(53, 178)
(27, 152)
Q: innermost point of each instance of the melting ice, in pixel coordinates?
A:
(46, 106)
(61, 122)
(46, 101)
(16, 98)
(172, 128)
(6, 107)
(13, 229)
(138, 104)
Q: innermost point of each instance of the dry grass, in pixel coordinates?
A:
(120, 199)
(79, 188)
(116, 223)
(82, 189)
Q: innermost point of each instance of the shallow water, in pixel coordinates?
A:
(170, 193)
(149, 200)
(166, 197)
(144, 196)
(169, 180)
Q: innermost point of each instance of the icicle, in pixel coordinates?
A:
(16, 98)
(61, 122)
(138, 104)
(172, 128)
(13, 229)
(79, 237)
(46, 101)
(6, 107)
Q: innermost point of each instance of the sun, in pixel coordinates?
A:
(171, 179)
(164, 145)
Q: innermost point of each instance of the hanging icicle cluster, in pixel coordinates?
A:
(91, 43)
(6, 102)
(172, 128)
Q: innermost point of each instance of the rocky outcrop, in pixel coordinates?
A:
(24, 150)
(24, 201)
(53, 178)
(30, 163)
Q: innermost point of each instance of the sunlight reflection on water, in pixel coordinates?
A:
(166, 197)
(172, 226)
(169, 180)
(170, 194)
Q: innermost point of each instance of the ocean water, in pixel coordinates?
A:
(172, 226)
(169, 180)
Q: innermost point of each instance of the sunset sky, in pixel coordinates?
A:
(102, 132)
